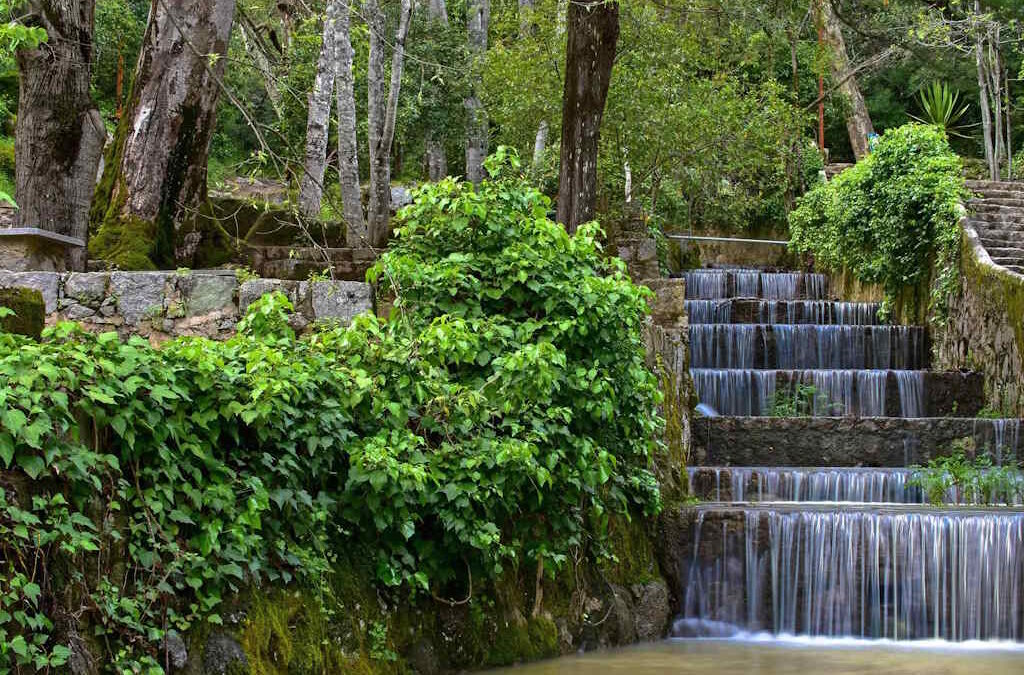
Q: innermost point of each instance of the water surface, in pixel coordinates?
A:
(789, 657)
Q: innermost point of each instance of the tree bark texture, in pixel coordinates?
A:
(382, 108)
(858, 121)
(437, 160)
(257, 48)
(540, 143)
(593, 27)
(60, 134)
(158, 174)
(477, 22)
(348, 148)
(318, 120)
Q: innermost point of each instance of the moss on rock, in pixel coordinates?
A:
(29, 315)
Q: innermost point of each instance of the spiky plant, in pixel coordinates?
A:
(940, 106)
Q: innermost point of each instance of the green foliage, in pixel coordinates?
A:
(503, 414)
(892, 217)
(963, 480)
(940, 106)
(802, 401)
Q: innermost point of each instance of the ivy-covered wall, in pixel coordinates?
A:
(985, 331)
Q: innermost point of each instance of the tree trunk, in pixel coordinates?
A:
(348, 148)
(476, 124)
(540, 143)
(257, 48)
(858, 121)
(382, 108)
(589, 56)
(318, 120)
(985, 97)
(526, 25)
(59, 137)
(437, 161)
(157, 176)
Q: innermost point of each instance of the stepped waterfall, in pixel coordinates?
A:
(839, 551)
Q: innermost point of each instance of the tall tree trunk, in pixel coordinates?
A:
(437, 161)
(477, 23)
(318, 120)
(157, 176)
(589, 56)
(985, 99)
(858, 121)
(526, 25)
(60, 135)
(348, 148)
(382, 108)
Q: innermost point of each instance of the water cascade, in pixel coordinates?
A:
(854, 551)
(901, 572)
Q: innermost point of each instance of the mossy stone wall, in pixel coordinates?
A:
(985, 331)
(29, 311)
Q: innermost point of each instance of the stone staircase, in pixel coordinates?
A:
(997, 214)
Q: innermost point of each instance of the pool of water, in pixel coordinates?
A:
(798, 656)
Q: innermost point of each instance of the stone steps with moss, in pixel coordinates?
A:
(997, 214)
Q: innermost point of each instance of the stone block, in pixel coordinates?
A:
(87, 289)
(340, 300)
(47, 283)
(139, 295)
(211, 293)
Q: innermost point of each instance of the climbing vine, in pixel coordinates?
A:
(892, 218)
(503, 413)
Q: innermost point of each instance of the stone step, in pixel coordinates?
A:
(999, 194)
(1014, 262)
(1001, 239)
(839, 393)
(998, 227)
(986, 185)
(805, 346)
(722, 284)
(744, 310)
(989, 208)
(1010, 201)
(300, 263)
(848, 441)
(1006, 252)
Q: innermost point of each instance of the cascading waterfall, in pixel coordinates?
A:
(800, 346)
(709, 311)
(710, 284)
(833, 484)
(843, 571)
(911, 384)
(1007, 438)
(846, 392)
(706, 284)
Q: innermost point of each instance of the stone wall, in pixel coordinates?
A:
(838, 441)
(161, 305)
(985, 331)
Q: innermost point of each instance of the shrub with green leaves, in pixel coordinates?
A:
(890, 218)
(502, 414)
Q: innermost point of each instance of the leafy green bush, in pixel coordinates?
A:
(969, 481)
(502, 414)
(891, 217)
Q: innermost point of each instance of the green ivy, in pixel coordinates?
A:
(892, 217)
(501, 414)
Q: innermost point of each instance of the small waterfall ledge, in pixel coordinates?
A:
(850, 570)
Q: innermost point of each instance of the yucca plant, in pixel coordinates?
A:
(940, 106)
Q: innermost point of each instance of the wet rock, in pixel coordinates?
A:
(222, 653)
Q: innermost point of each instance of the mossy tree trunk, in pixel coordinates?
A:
(858, 121)
(156, 176)
(60, 134)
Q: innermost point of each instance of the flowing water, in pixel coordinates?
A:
(754, 655)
